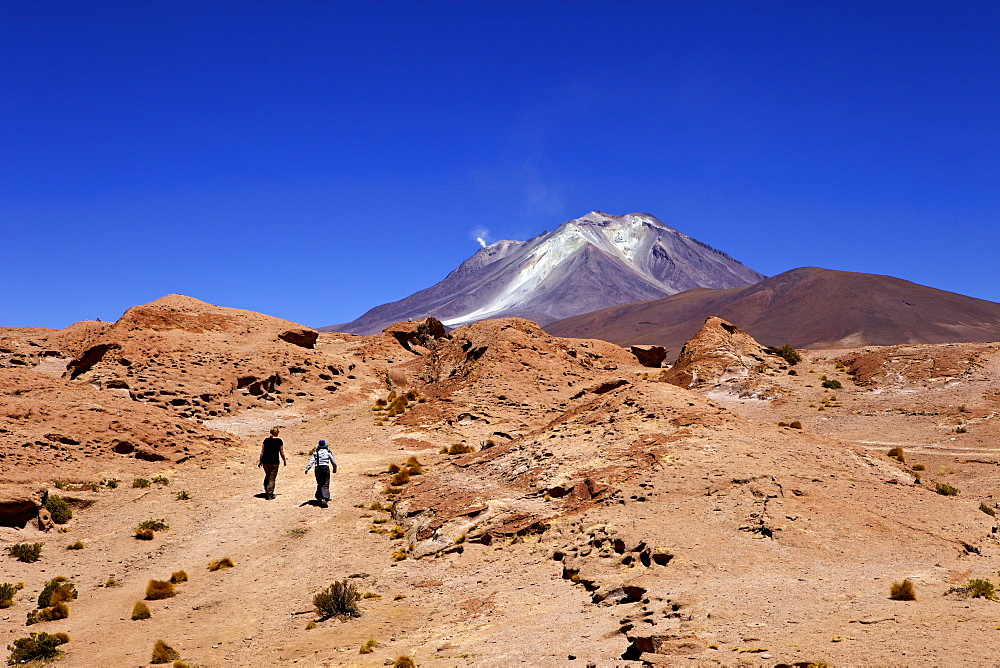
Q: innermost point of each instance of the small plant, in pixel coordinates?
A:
(787, 353)
(111, 483)
(338, 600)
(159, 589)
(403, 662)
(35, 647)
(963, 409)
(26, 552)
(945, 489)
(393, 468)
(401, 478)
(144, 534)
(152, 525)
(140, 483)
(961, 429)
(178, 577)
(7, 592)
(459, 449)
(397, 532)
(57, 611)
(183, 496)
(311, 625)
(368, 646)
(902, 591)
(897, 454)
(989, 510)
(398, 597)
(111, 582)
(392, 491)
(832, 384)
(140, 611)
(161, 480)
(78, 545)
(298, 532)
(164, 653)
(371, 596)
(413, 466)
(401, 554)
(56, 590)
(976, 588)
(220, 564)
(918, 467)
(796, 425)
(58, 508)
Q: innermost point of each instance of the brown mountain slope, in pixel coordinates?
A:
(807, 308)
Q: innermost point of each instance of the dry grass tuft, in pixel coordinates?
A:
(144, 534)
(897, 454)
(164, 653)
(159, 589)
(368, 646)
(397, 532)
(902, 591)
(140, 483)
(459, 449)
(140, 611)
(57, 611)
(78, 545)
(220, 564)
(401, 478)
(403, 662)
(338, 600)
(393, 468)
(178, 577)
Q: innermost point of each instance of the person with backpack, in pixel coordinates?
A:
(272, 452)
(325, 464)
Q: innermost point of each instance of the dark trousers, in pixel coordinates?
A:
(322, 483)
(270, 475)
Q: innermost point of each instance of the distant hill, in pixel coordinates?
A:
(807, 308)
(588, 263)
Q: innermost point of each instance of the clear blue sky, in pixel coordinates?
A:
(312, 159)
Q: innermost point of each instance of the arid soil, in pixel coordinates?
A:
(604, 516)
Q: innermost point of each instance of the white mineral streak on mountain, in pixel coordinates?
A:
(589, 263)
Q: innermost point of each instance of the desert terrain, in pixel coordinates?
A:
(730, 510)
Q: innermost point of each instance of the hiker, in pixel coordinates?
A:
(271, 452)
(325, 464)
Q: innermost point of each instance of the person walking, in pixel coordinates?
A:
(325, 464)
(272, 454)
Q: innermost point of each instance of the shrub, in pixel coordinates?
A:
(961, 429)
(371, 596)
(393, 468)
(945, 489)
(403, 662)
(311, 625)
(460, 449)
(796, 425)
(832, 384)
(58, 508)
(144, 534)
(161, 480)
(902, 591)
(220, 564)
(56, 590)
(401, 478)
(397, 532)
(152, 525)
(159, 589)
(140, 483)
(918, 467)
(989, 510)
(7, 592)
(57, 611)
(140, 611)
(413, 466)
(178, 577)
(787, 353)
(338, 600)
(183, 496)
(897, 454)
(164, 653)
(37, 646)
(78, 545)
(111, 582)
(26, 552)
(112, 483)
(368, 646)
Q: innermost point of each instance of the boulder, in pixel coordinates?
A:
(650, 356)
(719, 353)
(19, 505)
(305, 338)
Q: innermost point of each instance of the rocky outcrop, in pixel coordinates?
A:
(19, 505)
(651, 356)
(721, 353)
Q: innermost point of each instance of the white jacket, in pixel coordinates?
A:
(322, 457)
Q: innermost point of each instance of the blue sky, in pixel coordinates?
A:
(311, 160)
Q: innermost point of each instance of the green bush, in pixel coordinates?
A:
(989, 510)
(945, 489)
(56, 590)
(7, 592)
(26, 552)
(832, 384)
(57, 611)
(140, 483)
(787, 353)
(338, 600)
(58, 508)
(37, 646)
(161, 480)
(152, 525)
